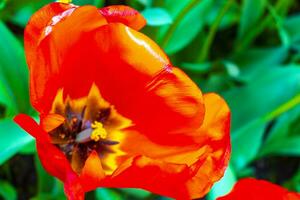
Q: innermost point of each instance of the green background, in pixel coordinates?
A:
(248, 51)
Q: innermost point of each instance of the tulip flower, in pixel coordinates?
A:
(252, 189)
(114, 112)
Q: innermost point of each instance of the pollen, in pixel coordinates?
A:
(99, 132)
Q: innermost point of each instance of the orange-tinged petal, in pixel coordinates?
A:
(215, 133)
(46, 65)
(123, 14)
(178, 144)
(168, 99)
(51, 121)
(171, 103)
(92, 172)
(37, 24)
(206, 159)
(153, 175)
(252, 189)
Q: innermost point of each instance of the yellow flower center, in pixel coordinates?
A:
(99, 132)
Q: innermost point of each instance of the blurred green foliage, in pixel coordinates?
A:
(247, 50)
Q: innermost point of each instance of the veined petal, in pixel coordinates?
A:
(123, 14)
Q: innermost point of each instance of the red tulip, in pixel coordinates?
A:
(114, 112)
(252, 189)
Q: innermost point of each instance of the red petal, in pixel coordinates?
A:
(37, 24)
(136, 77)
(215, 131)
(156, 176)
(123, 14)
(53, 160)
(92, 172)
(73, 187)
(46, 72)
(206, 159)
(31, 127)
(132, 73)
(252, 189)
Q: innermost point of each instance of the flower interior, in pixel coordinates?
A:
(90, 124)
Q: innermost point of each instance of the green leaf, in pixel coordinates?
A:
(7, 97)
(197, 68)
(253, 62)
(13, 139)
(107, 194)
(192, 23)
(157, 16)
(99, 3)
(45, 181)
(260, 96)
(7, 191)
(246, 142)
(284, 135)
(230, 18)
(223, 186)
(29, 148)
(252, 11)
(251, 103)
(291, 25)
(13, 69)
(137, 193)
(286, 146)
(2, 4)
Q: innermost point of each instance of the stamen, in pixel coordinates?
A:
(99, 132)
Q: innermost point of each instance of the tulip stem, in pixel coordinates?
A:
(177, 20)
(204, 52)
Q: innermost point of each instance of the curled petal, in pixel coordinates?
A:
(125, 15)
